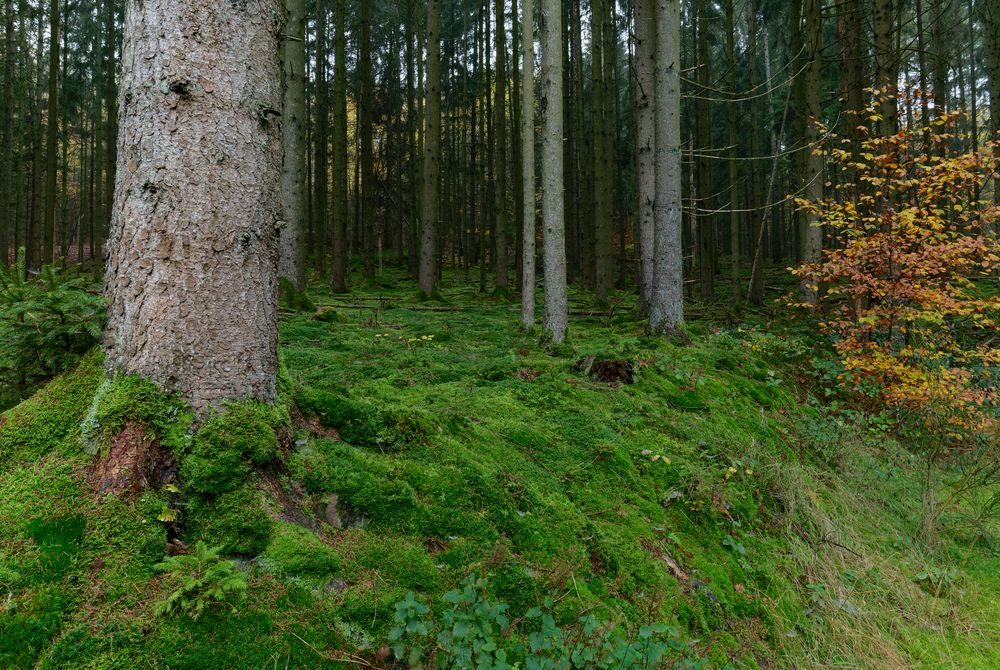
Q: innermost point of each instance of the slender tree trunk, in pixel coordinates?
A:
(432, 153)
(8, 215)
(320, 140)
(645, 67)
(503, 232)
(338, 266)
(811, 236)
(293, 194)
(886, 64)
(734, 217)
(110, 156)
(666, 311)
(365, 100)
(602, 191)
(554, 316)
(703, 112)
(528, 162)
(192, 271)
(992, 25)
(52, 137)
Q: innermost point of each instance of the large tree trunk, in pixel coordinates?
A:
(293, 131)
(432, 153)
(554, 315)
(666, 312)
(528, 163)
(811, 237)
(645, 54)
(194, 239)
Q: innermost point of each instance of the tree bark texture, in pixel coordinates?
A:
(194, 241)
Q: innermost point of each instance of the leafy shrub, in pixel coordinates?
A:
(46, 324)
(477, 632)
(199, 581)
(912, 327)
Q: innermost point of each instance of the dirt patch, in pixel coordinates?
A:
(608, 371)
(311, 424)
(134, 462)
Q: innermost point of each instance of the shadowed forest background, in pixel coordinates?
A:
(579, 334)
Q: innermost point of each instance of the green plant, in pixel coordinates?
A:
(476, 632)
(199, 581)
(46, 324)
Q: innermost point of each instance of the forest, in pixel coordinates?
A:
(500, 334)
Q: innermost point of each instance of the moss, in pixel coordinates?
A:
(229, 444)
(365, 424)
(297, 552)
(45, 421)
(293, 300)
(235, 520)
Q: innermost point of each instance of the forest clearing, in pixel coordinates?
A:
(598, 334)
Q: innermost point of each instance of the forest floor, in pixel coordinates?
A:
(701, 485)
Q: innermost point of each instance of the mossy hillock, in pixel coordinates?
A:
(713, 493)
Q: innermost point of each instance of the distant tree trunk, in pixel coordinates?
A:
(52, 137)
(8, 216)
(555, 315)
(645, 64)
(503, 233)
(666, 311)
(528, 162)
(734, 170)
(886, 65)
(338, 266)
(365, 121)
(602, 191)
(939, 48)
(293, 132)
(432, 153)
(320, 140)
(703, 113)
(192, 271)
(111, 120)
(992, 23)
(811, 236)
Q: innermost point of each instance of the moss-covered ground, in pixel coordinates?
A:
(711, 494)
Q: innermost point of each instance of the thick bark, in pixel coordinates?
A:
(553, 212)
(528, 162)
(432, 153)
(645, 54)
(666, 311)
(811, 236)
(293, 133)
(193, 265)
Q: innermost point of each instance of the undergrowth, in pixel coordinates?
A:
(713, 499)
